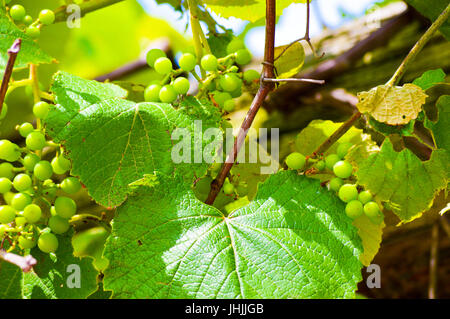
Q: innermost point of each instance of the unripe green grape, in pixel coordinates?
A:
(30, 160)
(187, 62)
(330, 160)
(163, 66)
(365, 197)
(27, 243)
(243, 57)
(181, 85)
(209, 62)
(20, 201)
(371, 209)
(8, 197)
(336, 183)
(320, 165)
(9, 151)
(32, 213)
(167, 94)
(22, 182)
(47, 16)
(4, 111)
(229, 82)
(348, 192)
(151, 93)
(33, 32)
(7, 214)
(56, 168)
(40, 109)
(295, 160)
(354, 209)
(71, 185)
(229, 106)
(58, 225)
(343, 148)
(17, 12)
(153, 55)
(251, 75)
(20, 221)
(5, 185)
(65, 207)
(63, 162)
(221, 97)
(343, 169)
(228, 189)
(235, 45)
(27, 20)
(6, 170)
(48, 243)
(35, 141)
(25, 129)
(43, 170)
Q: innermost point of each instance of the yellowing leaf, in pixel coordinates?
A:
(393, 105)
(290, 61)
(371, 236)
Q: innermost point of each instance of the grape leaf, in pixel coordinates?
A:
(29, 52)
(292, 241)
(113, 142)
(10, 283)
(440, 128)
(250, 10)
(404, 130)
(49, 278)
(290, 60)
(371, 236)
(402, 180)
(429, 79)
(393, 105)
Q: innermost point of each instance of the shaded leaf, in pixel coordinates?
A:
(371, 236)
(440, 128)
(291, 61)
(429, 79)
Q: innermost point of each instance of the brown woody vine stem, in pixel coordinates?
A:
(264, 89)
(12, 52)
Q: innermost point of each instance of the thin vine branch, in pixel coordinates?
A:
(263, 91)
(25, 263)
(295, 80)
(62, 15)
(434, 256)
(12, 52)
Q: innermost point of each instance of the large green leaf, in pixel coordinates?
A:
(250, 10)
(10, 281)
(401, 179)
(113, 142)
(29, 52)
(293, 241)
(440, 128)
(431, 10)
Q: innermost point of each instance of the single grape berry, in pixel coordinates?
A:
(17, 12)
(320, 165)
(181, 85)
(71, 185)
(25, 129)
(163, 66)
(47, 16)
(35, 141)
(40, 109)
(336, 183)
(5, 185)
(27, 20)
(295, 160)
(153, 55)
(209, 62)
(65, 207)
(7, 214)
(22, 182)
(20, 201)
(26, 243)
(9, 151)
(221, 97)
(229, 106)
(56, 168)
(354, 209)
(243, 57)
(228, 189)
(43, 170)
(30, 160)
(371, 209)
(8, 197)
(343, 169)
(63, 162)
(58, 225)
(4, 111)
(32, 213)
(251, 75)
(20, 221)
(151, 93)
(365, 197)
(167, 94)
(343, 148)
(33, 32)
(187, 62)
(48, 243)
(330, 160)
(6, 170)
(229, 82)
(348, 192)
(235, 45)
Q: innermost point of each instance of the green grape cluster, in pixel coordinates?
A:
(35, 208)
(31, 27)
(222, 81)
